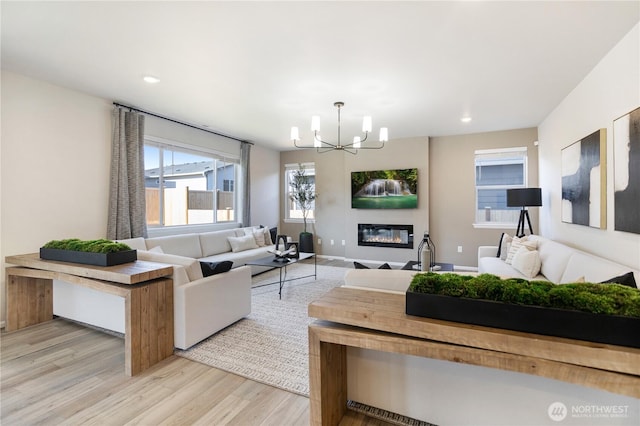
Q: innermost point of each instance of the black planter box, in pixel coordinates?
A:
(97, 259)
(611, 329)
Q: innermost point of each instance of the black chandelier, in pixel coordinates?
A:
(352, 148)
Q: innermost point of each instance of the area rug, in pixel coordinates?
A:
(271, 345)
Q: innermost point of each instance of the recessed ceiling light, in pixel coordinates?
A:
(465, 119)
(151, 79)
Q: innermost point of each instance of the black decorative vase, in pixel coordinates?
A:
(306, 242)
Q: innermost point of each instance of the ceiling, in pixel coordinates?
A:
(254, 69)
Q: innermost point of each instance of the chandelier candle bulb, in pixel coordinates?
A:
(315, 123)
(366, 124)
(317, 142)
(384, 134)
(295, 135)
(356, 142)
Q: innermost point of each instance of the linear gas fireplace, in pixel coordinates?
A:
(378, 235)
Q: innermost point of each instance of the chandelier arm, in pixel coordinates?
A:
(324, 142)
(302, 147)
(372, 147)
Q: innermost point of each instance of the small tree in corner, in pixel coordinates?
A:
(302, 192)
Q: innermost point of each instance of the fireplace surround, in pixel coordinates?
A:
(385, 235)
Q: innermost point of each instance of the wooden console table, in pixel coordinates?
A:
(377, 321)
(147, 291)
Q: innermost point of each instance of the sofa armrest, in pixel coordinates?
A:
(487, 251)
(205, 306)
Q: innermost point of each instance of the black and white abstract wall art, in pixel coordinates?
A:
(584, 175)
(626, 172)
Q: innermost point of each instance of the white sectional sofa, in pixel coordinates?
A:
(559, 263)
(238, 245)
(202, 305)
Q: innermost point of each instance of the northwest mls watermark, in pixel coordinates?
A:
(557, 411)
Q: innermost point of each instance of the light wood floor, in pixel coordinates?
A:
(60, 372)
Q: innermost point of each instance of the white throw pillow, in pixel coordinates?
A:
(259, 237)
(156, 249)
(527, 262)
(247, 242)
(516, 243)
(505, 245)
(267, 237)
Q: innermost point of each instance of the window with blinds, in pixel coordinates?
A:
(496, 171)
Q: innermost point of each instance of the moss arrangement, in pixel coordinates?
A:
(91, 246)
(610, 299)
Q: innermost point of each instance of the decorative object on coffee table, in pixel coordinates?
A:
(304, 195)
(99, 252)
(604, 313)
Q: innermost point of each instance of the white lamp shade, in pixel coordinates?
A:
(384, 134)
(356, 142)
(315, 123)
(366, 123)
(316, 141)
(295, 135)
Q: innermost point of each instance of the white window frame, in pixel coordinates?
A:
(497, 155)
(287, 168)
(197, 150)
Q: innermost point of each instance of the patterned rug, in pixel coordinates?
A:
(271, 344)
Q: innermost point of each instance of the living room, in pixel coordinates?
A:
(56, 149)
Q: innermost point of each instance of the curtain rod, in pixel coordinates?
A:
(179, 122)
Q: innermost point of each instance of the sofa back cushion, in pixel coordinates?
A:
(135, 243)
(553, 257)
(594, 269)
(187, 245)
(190, 265)
(216, 242)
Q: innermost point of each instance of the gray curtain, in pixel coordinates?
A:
(127, 206)
(245, 162)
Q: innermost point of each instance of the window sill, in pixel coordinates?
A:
(495, 225)
(299, 221)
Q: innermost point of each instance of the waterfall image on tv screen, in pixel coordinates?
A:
(384, 189)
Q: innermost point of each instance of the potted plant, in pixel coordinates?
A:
(89, 252)
(604, 313)
(303, 194)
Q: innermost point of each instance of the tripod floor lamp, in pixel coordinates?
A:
(524, 197)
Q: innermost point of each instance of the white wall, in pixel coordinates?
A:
(55, 165)
(609, 91)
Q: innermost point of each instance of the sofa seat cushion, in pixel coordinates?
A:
(191, 265)
(187, 245)
(496, 266)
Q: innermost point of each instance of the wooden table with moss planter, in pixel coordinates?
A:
(378, 321)
(145, 286)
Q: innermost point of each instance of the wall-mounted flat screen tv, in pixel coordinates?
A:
(384, 189)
